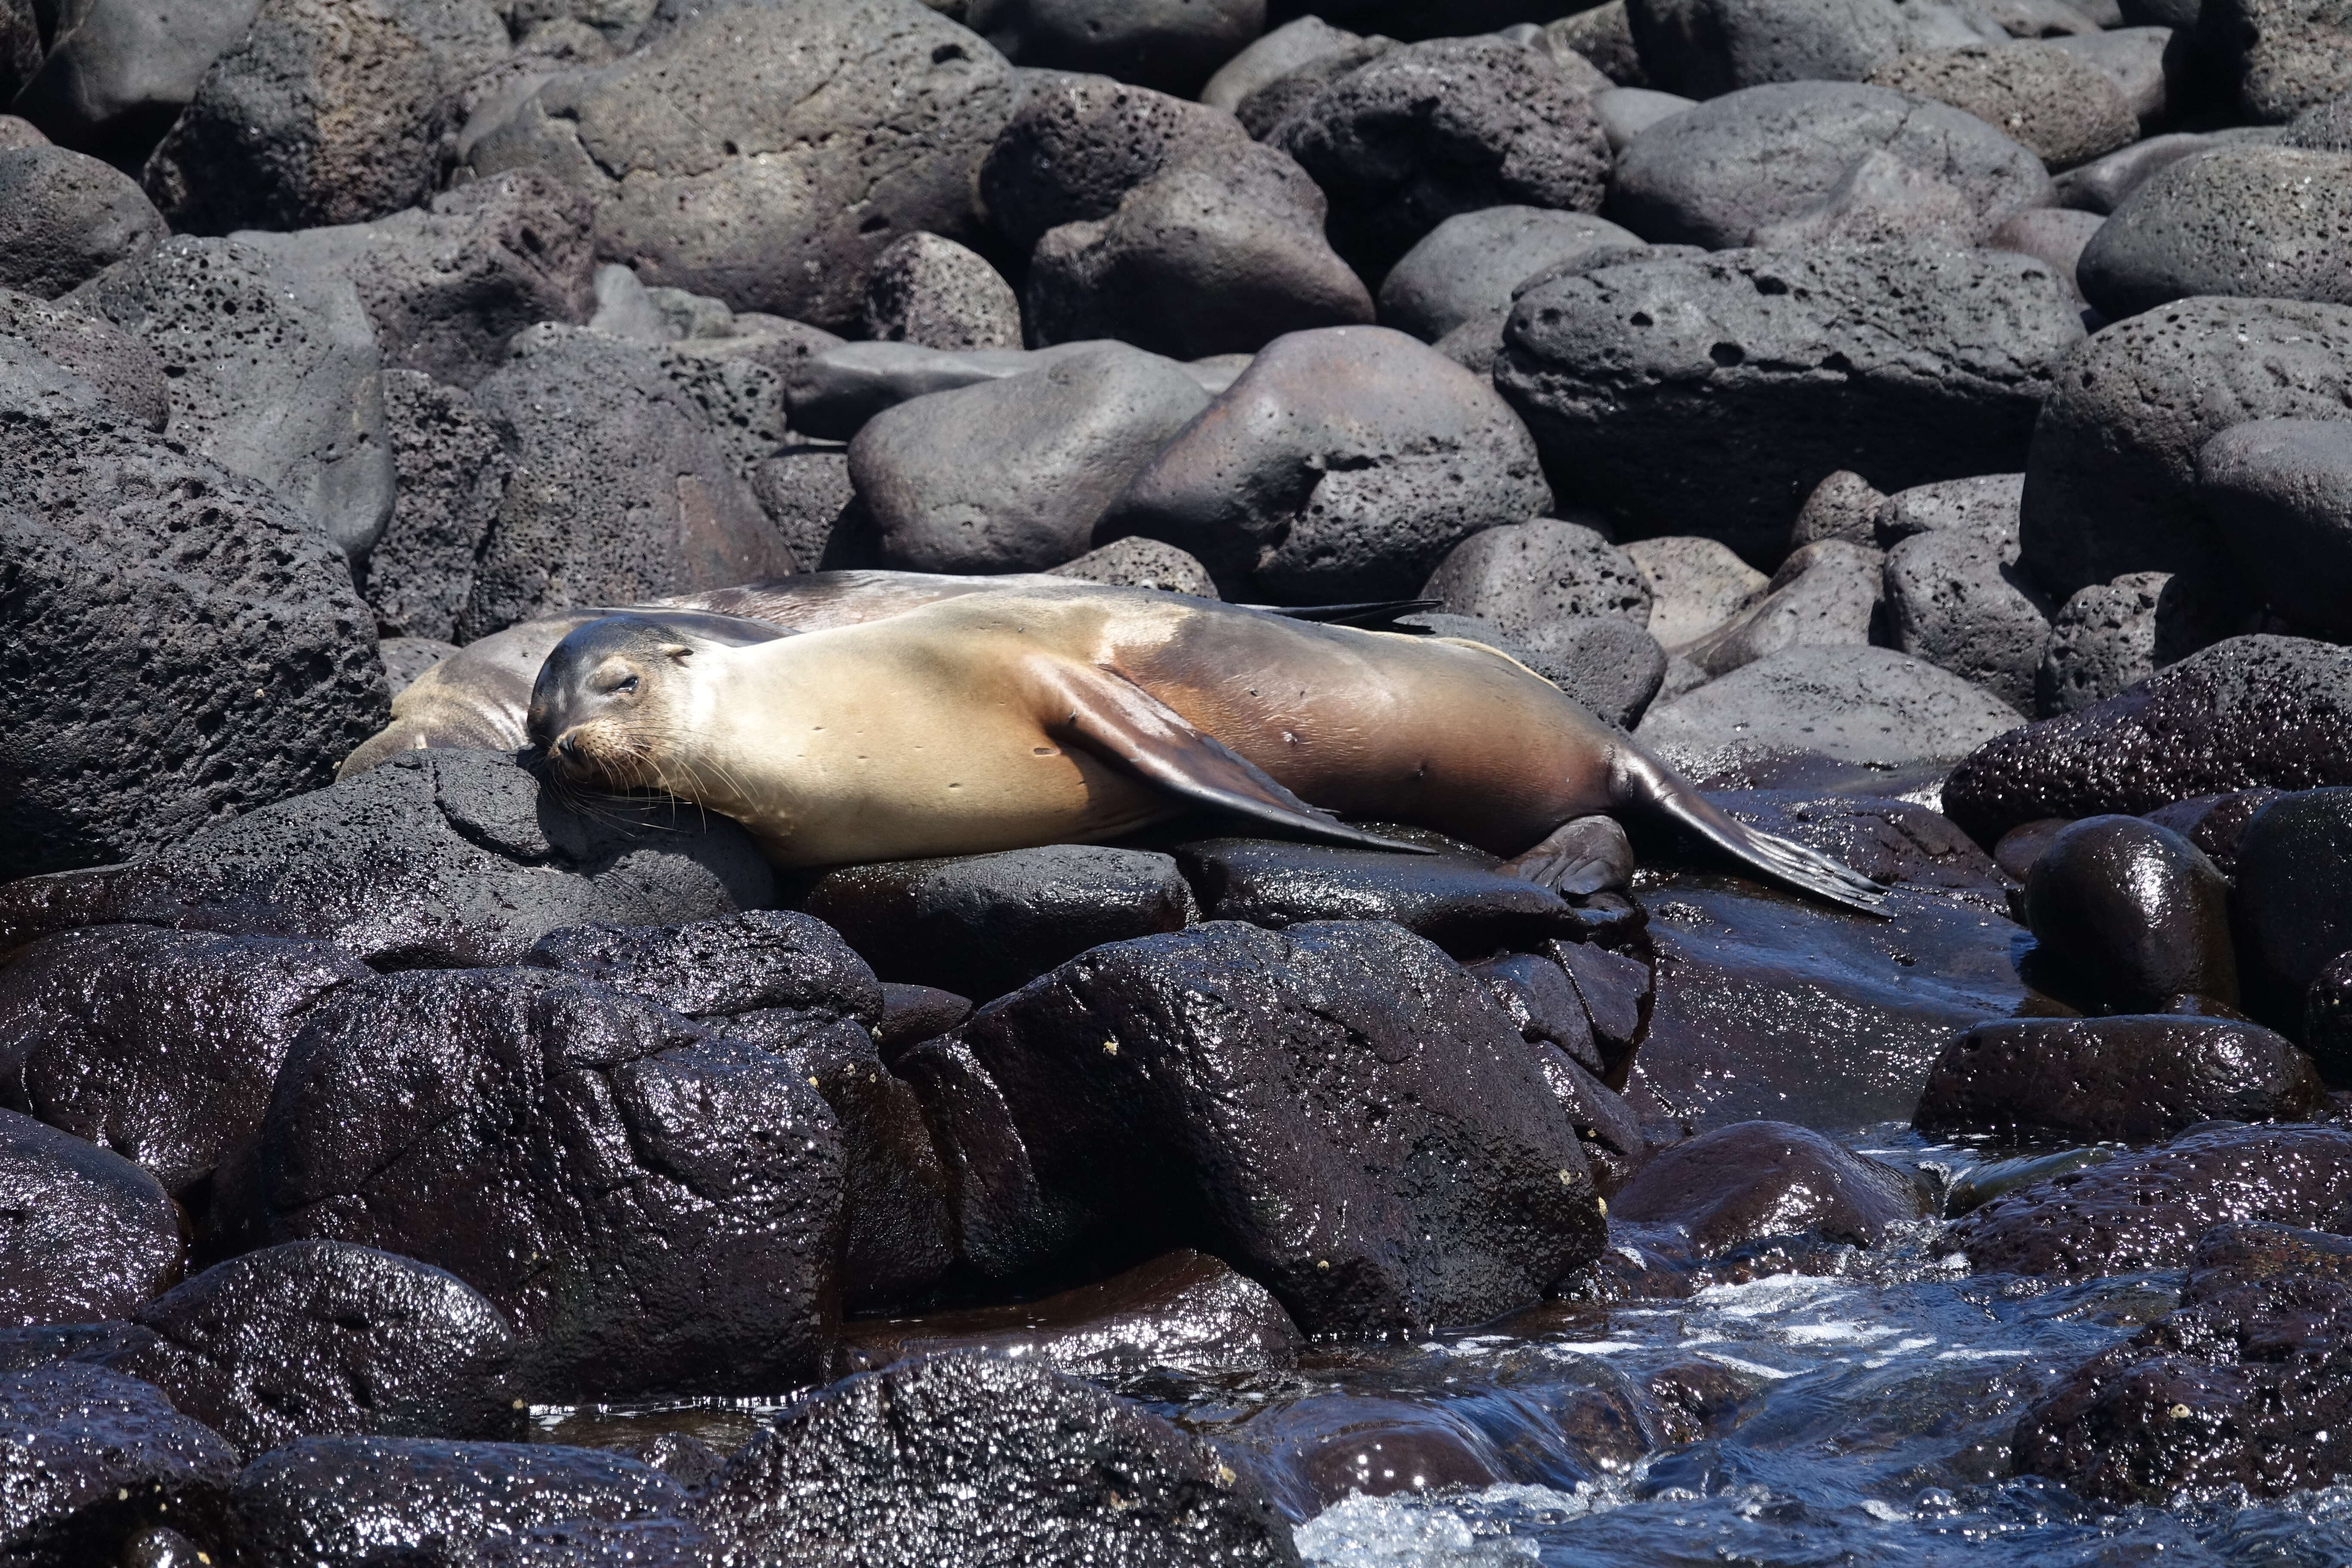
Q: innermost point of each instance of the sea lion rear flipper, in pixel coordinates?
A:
(1123, 724)
(1641, 778)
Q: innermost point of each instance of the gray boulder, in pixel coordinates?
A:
(1342, 465)
(448, 286)
(1984, 505)
(2110, 483)
(1603, 38)
(1011, 475)
(442, 858)
(275, 374)
(2278, 493)
(2053, 235)
(1627, 111)
(1271, 57)
(21, 45)
(2152, 67)
(118, 366)
(1605, 662)
(1954, 598)
(1842, 506)
(1516, 576)
(2324, 127)
(1822, 159)
(1826, 593)
(1270, 104)
(2062, 106)
(1865, 705)
(18, 132)
(2282, 55)
(1470, 264)
(2239, 220)
(65, 218)
(806, 492)
(1428, 131)
(1707, 48)
(621, 491)
(452, 461)
(2102, 640)
(327, 112)
(1709, 396)
(1169, 45)
(929, 290)
(767, 155)
(119, 72)
(187, 646)
(1696, 585)
(1137, 562)
(2103, 184)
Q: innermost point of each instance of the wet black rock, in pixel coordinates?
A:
(84, 1235)
(1541, 998)
(1377, 1226)
(440, 858)
(1888, 840)
(1186, 1311)
(316, 1339)
(2241, 1387)
(656, 1209)
(65, 218)
(2127, 914)
(2282, 55)
(1518, 577)
(2328, 1018)
(1314, 1451)
(275, 374)
(621, 490)
(2111, 484)
(929, 290)
(2252, 711)
(1710, 395)
(2135, 1078)
(1011, 475)
(766, 155)
(89, 1460)
(1756, 1179)
(1461, 903)
(453, 464)
(117, 365)
(760, 960)
(1822, 160)
(159, 1045)
(2063, 108)
(1469, 265)
(1342, 465)
(324, 114)
(345, 1503)
(1427, 130)
(2279, 493)
(991, 1462)
(1169, 45)
(1608, 1129)
(1863, 705)
(2216, 823)
(983, 924)
(2258, 220)
(2294, 898)
(2147, 1210)
(448, 284)
(1756, 990)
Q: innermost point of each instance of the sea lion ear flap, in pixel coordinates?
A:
(1125, 725)
(674, 651)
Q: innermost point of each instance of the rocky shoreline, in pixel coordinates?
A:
(1923, 425)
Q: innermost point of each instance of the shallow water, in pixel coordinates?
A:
(1875, 1428)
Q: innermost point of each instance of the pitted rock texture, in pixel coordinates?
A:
(440, 858)
(656, 1209)
(2254, 220)
(1171, 45)
(2252, 711)
(2148, 1210)
(316, 1339)
(929, 290)
(1427, 130)
(65, 218)
(117, 365)
(999, 1464)
(183, 646)
(1325, 1176)
(2063, 108)
(767, 155)
(1822, 160)
(84, 1235)
(1710, 396)
(88, 1457)
(2110, 485)
(454, 462)
(159, 1045)
(1707, 48)
(2284, 55)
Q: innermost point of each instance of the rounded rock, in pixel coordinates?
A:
(929, 290)
(2065, 109)
(1756, 1179)
(2126, 914)
(1516, 576)
(65, 218)
(2279, 493)
(1169, 45)
(1469, 265)
(84, 1235)
(2270, 221)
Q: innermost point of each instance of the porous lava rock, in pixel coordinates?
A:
(1169, 45)
(117, 365)
(2063, 108)
(930, 290)
(1333, 1175)
(84, 1235)
(2135, 1079)
(1518, 576)
(2246, 220)
(89, 1460)
(2251, 711)
(656, 1209)
(65, 218)
(2279, 495)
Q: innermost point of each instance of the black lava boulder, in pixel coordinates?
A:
(89, 1460)
(2293, 900)
(2278, 493)
(2126, 914)
(1462, 903)
(2136, 1079)
(84, 1235)
(1756, 1179)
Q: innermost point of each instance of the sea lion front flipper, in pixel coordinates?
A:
(1125, 725)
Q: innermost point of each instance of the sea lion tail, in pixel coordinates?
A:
(1643, 779)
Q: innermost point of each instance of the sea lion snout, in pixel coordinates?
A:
(591, 708)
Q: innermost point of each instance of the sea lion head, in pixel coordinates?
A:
(606, 707)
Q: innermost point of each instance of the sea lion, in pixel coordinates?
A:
(1003, 720)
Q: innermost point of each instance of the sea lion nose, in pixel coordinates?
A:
(568, 743)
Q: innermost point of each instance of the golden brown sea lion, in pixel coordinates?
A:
(1075, 714)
